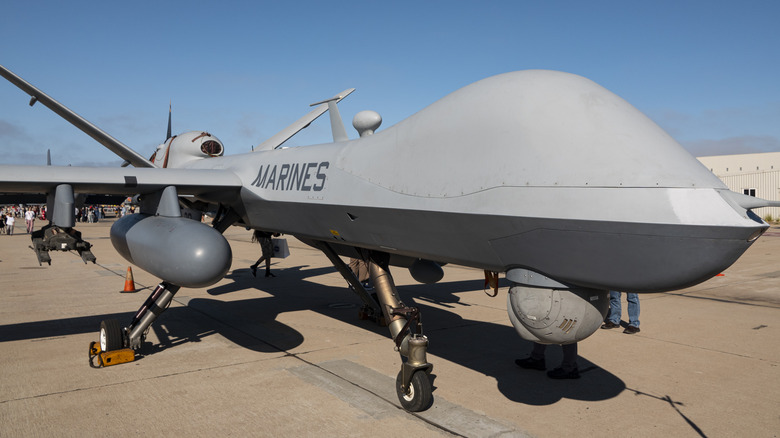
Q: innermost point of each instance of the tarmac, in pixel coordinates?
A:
(288, 356)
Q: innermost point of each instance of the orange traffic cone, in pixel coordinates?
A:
(129, 283)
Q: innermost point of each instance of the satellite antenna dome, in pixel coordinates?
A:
(366, 122)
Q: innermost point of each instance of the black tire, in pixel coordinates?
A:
(110, 335)
(419, 396)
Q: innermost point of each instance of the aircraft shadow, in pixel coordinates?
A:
(486, 347)
(57, 327)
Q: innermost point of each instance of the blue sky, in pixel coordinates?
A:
(706, 71)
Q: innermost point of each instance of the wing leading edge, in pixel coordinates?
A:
(116, 181)
(76, 120)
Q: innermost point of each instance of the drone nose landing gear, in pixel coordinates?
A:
(413, 384)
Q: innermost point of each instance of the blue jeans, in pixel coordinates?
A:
(615, 310)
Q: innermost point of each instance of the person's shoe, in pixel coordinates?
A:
(631, 330)
(254, 270)
(530, 363)
(559, 373)
(610, 325)
(268, 274)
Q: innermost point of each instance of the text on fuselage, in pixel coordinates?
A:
(303, 177)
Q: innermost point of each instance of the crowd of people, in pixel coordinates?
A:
(9, 215)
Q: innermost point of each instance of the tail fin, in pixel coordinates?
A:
(167, 136)
(285, 134)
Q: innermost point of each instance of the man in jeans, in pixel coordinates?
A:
(615, 311)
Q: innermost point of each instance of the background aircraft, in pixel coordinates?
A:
(545, 176)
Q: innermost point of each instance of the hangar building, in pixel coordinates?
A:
(751, 174)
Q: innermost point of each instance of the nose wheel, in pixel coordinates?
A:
(418, 394)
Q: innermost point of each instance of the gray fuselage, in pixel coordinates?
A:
(542, 170)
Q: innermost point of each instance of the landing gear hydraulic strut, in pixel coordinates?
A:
(413, 384)
(158, 301)
(114, 339)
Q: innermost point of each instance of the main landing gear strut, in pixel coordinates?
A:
(413, 383)
(115, 342)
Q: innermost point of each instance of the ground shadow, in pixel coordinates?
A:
(486, 347)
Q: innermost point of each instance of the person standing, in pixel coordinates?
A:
(267, 247)
(29, 219)
(9, 224)
(536, 361)
(615, 312)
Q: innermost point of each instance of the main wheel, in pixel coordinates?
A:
(110, 335)
(419, 396)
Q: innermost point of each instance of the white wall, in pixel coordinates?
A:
(752, 172)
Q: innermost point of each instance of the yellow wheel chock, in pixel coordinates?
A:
(108, 358)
